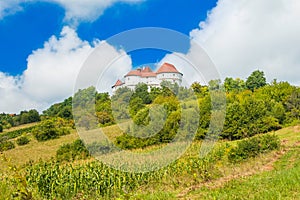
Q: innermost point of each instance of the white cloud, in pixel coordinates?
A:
(76, 10)
(9, 7)
(51, 73)
(88, 10)
(242, 36)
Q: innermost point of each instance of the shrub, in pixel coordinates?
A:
(51, 129)
(16, 133)
(1, 128)
(22, 140)
(73, 151)
(6, 145)
(251, 147)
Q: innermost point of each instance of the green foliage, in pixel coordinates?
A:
(6, 145)
(249, 114)
(1, 128)
(101, 147)
(6, 120)
(214, 84)
(63, 110)
(135, 104)
(23, 140)
(205, 108)
(251, 147)
(95, 180)
(143, 137)
(142, 117)
(141, 91)
(256, 80)
(73, 151)
(235, 85)
(25, 117)
(52, 128)
(105, 119)
(198, 89)
(119, 102)
(293, 104)
(16, 133)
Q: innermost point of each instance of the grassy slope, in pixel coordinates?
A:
(275, 175)
(45, 150)
(281, 183)
(20, 127)
(257, 178)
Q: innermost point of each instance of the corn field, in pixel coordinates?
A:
(65, 181)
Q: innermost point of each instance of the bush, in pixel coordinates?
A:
(251, 147)
(1, 128)
(51, 129)
(6, 145)
(22, 140)
(102, 147)
(16, 133)
(73, 151)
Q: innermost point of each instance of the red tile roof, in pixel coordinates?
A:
(167, 68)
(147, 69)
(118, 83)
(134, 73)
(147, 72)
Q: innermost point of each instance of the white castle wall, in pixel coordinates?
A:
(132, 80)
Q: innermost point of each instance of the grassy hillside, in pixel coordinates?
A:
(277, 179)
(270, 175)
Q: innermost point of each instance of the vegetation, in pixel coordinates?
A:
(6, 145)
(239, 165)
(52, 128)
(62, 110)
(23, 140)
(25, 117)
(253, 146)
(73, 151)
(16, 133)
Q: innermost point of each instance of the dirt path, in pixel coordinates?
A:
(221, 181)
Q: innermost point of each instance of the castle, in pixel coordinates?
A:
(167, 72)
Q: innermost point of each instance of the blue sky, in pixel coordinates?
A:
(27, 30)
(43, 45)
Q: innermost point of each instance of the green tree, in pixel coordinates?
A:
(142, 117)
(293, 105)
(231, 84)
(141, 91)
(199, 90)
(256, 80)
(214, 84)
(34, 116)
(136, 104)
(105, 118)
(63, 109)
(154, 92)
(51, 129)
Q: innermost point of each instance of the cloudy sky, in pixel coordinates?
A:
(44, 43)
